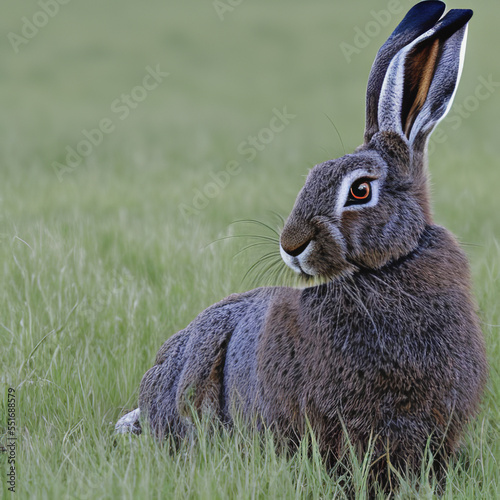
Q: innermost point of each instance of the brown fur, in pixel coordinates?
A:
(420, 73)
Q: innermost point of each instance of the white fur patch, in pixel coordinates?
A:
(128, 423)
(299, 263)
(460, 69)
(346, 186)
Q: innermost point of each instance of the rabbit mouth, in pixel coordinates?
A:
(319, 261)
(299, 263)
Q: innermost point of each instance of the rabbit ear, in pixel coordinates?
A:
(422, 79)
(417, 21)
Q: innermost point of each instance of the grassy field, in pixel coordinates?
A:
(106, 242)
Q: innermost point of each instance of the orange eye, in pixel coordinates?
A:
(361, 191)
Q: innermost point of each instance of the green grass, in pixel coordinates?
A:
(99, 269)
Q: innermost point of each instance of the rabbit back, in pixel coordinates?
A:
(191, 366)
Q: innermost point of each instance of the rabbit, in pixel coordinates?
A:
(388, 348)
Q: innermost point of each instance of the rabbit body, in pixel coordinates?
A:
(397, 353)
(388, 350)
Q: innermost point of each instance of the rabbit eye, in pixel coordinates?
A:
(360, 192)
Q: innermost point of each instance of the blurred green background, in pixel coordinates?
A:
(101, 263)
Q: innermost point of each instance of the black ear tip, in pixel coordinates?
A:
(421, 17)
(454, 20)
(463, 14)
(429, 5)
(428, 8)
(468, 13)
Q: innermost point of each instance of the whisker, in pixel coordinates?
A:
(252, 245)
(469, 244)
(269, 268)
(256, 236)
(280, 217)
(266, 270)
(279, 270)
(262, 276)
(336, 130)
(258, 223)
(259, 262)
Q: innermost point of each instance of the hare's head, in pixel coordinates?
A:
(370, 207)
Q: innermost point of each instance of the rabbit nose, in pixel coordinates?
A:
(295, 251)
(296, 236)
